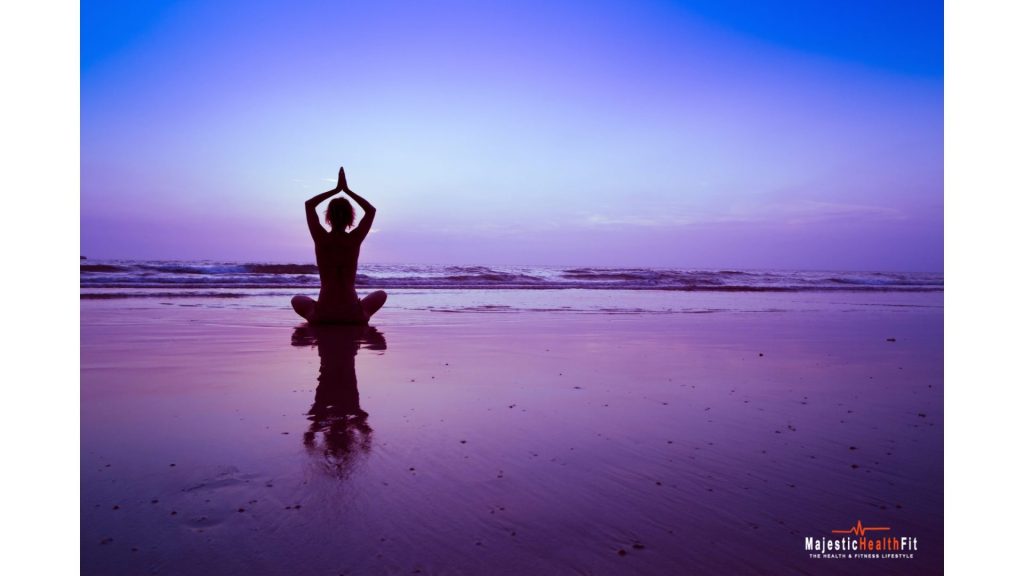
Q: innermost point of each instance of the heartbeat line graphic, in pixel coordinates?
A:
(859, 529)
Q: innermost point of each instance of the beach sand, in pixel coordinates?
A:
(519, 440)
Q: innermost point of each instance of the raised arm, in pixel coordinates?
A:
(363, 228)
(312, 220)
(316, 229)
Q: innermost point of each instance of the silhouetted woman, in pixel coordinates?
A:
(337, 255)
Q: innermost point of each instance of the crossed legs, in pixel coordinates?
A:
(305, 306)
(373, 302)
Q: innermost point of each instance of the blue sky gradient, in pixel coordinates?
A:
(801, 135)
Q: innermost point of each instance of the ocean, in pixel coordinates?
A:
(124, 279)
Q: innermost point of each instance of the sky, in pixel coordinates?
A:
(692, 134)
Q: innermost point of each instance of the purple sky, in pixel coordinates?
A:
(808, 135)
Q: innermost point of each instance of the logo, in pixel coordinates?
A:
(862, 543)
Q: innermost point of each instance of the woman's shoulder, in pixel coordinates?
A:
(334, 237)
(340, 241)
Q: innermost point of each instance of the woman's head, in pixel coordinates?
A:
(340, 214)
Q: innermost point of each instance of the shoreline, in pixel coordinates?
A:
(530, 441)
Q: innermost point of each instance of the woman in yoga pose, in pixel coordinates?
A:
(337, 255)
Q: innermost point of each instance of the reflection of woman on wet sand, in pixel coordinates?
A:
(336, 413)
(337, 256)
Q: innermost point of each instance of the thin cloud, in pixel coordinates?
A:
(602, 220)
(808, 211)
(788, 213)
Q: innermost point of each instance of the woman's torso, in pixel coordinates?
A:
(337, 256)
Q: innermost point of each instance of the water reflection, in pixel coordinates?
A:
(338, 433)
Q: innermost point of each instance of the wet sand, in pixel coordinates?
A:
(230, 439)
